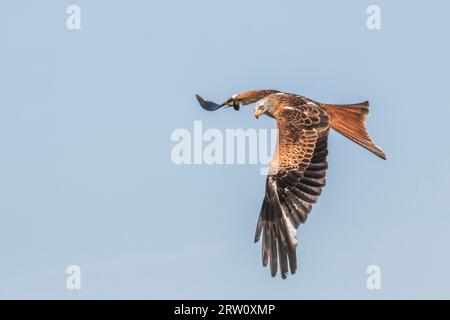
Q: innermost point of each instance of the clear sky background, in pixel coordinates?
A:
(86, 176)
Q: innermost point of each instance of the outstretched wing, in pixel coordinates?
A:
(294, 183)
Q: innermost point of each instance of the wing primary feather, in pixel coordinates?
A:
(282, 252)
(285, 232)
(273, 250)
(266, 245)
(292, 254)
(261, 220)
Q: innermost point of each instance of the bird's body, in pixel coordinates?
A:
(298, 168)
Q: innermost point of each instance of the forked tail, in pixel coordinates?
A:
(349, 120)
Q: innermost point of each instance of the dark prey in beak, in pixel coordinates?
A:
(208, 105)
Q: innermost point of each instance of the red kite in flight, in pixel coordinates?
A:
(298, 168)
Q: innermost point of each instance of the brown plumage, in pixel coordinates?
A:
(298, 168)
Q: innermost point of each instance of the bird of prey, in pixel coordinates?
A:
(297, 171)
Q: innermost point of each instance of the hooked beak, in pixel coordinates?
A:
(259, 112)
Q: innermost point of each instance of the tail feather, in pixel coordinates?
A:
(349, 120)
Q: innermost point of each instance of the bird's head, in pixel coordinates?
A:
(263, 107)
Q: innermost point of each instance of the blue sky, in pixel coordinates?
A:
(86, 176)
